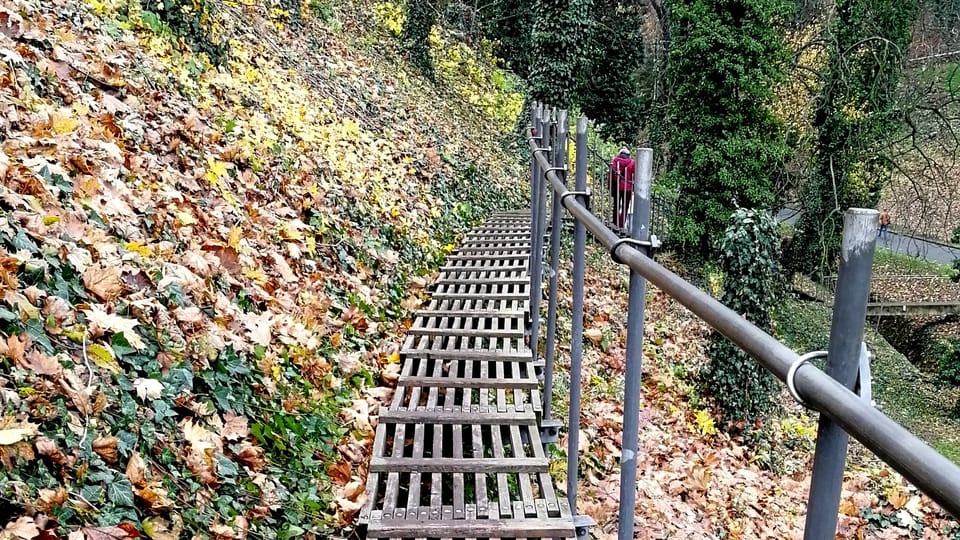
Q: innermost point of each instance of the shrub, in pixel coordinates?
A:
(749, 254)
(191, 20)
(947, 354)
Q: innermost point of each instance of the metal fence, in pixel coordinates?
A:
(830, 392)
(610, 197)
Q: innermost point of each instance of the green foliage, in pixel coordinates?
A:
(856, 114)
(421, 16)
(610, 90)
(955, 237)
(507, 23)
(191, 20)
(749, 253)
(947, 355)
(725, 144)
(559, 27)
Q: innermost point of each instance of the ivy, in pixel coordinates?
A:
(856, 115)
(725, 143)
(191, 20)
(557, 55)
(421, 16)
(749, 252)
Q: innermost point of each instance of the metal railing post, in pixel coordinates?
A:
(536, 256)
(639, 230)
(549, 427)
(576, 332)
(846, 334)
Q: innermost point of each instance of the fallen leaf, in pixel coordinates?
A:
(234, 427)
(148, 389)
(106, 447)
(349, 362)
(49, 449)
(24, 528)
(15, 435)
(136, 470)
(105, 282)
(114, 323)
(40, 363)
(108, 533)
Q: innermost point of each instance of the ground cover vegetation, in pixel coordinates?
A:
(214, 218)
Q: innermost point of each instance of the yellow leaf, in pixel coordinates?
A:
(216, 171)
(138, 248)
(50, 220)
(103, 358)
(186, 218)
(62, 123)
(394, 358)
(236, 234)
(255, 275)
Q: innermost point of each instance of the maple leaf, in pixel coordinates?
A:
(349, 363)
(103, 281)
(40, 363)
(23, 528)
(234, 427)
(114, 323)
(110, 533)
(148, 389)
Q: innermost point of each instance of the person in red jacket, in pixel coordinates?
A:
(620, 180)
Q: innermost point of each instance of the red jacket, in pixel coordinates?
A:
(622, 169)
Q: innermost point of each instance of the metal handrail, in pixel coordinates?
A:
(930, 471)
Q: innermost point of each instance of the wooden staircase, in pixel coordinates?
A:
(458, 452)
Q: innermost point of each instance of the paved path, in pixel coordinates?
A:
(915, 247)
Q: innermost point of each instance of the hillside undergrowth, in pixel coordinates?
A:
(206, 262)
(694, 479)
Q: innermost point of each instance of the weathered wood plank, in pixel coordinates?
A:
(462, 465)
(494, 332)
(468, 382)
(437, 416)
(482, 355)
(470, 314)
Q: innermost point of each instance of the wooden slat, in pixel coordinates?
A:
(468, 382)
(465, 465)
(493, 314)
(494, 332)
(489, 356)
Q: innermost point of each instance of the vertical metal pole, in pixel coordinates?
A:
(536, 274)
(639, 230)
(560, 159)
(843, 359)
(576, 330)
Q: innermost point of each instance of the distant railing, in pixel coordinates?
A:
(831, 393)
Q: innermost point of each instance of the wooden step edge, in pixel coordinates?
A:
(483, 356)
(527, 417)
(478, 528)
(459, 465)
(457, 382)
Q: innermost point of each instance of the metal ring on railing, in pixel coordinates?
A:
(792, 373)
(544, 149)
(585, 194)
(564, 168)
(632, 241)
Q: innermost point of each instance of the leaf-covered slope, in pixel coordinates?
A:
(204, 270)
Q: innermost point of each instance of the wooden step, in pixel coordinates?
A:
(459, 465)
(432, 417)
(456, 382)
(477, 528)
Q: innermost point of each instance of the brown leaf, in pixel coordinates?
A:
(251, 456)
(155, 497)
(340, 473)
(14, 348)
(103, 281)
(51, 498)
(390, 374)
(11, 25)
(349, 362)
(229, 258)
(234, 427)
(23, 527)
(38, 362)
(48, 448)
(106, 447)
(136, 470)
(124, 530)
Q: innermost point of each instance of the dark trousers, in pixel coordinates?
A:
(621, 204)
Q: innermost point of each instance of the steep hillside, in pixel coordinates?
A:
(205, 268)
